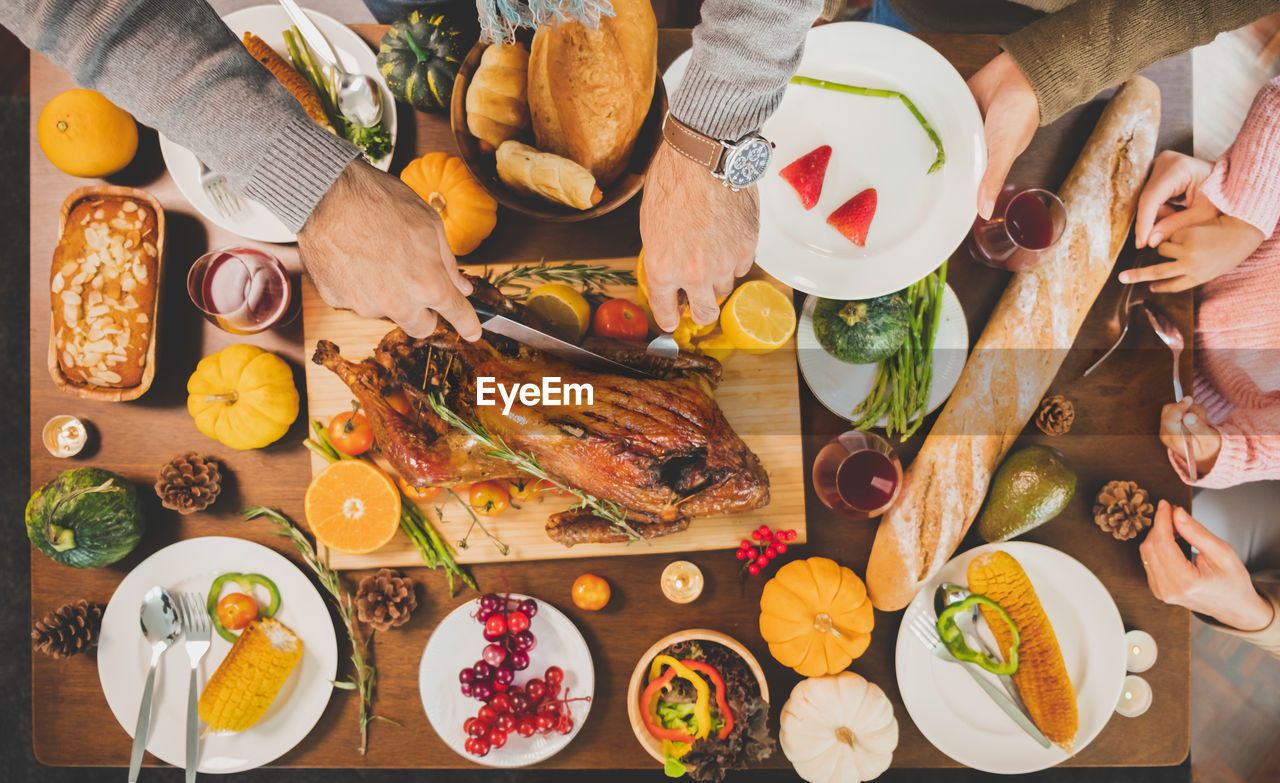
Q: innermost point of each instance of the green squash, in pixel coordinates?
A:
(87, 518)
(419, 58)
(863, 331)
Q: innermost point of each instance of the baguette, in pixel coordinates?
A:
(549, 176)
(1018, 354)
(497, 102)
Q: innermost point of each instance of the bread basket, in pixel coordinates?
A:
(484, 170)
(652, 744)
(106, 394)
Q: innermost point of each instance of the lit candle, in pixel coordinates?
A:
(64, 436)
(681, 581)
(1140, 651)
(1135, 697)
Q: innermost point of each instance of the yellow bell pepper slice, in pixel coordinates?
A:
(702, 706)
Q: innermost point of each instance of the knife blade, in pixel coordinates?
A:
(524, 334)
(312, 35)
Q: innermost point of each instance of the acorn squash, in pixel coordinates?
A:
(863, 331)
(86, 518)
(419, 58)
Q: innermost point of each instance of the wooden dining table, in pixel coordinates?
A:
(1117, 411)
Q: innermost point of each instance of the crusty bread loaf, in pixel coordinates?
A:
(1018, 354)
(547, 175)
(497, 101)
(589, 90)
(103, 287)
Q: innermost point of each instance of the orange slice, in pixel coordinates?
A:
(352, 507)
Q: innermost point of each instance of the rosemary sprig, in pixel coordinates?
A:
(362, 681)
(871, 92)
(498, 543)
(498, 449)
(589, 276)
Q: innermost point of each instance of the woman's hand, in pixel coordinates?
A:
(1011, 114)
(1173, 176)
(1216, 584)
(371, 245)
(1206, 441)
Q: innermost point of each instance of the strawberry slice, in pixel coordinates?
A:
(806, 174)
(853, 218)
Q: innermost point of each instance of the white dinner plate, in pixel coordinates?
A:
(191, 566)
(876, 143)
(954, 714)
(457, 643)
(841, 386)
(268, 22)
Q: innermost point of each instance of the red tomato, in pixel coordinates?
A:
(526, 489)
(350, 433)
(398, 401)
(620, 319)
(488, 498)
(422, 494)
(236, 611)
(590, 592)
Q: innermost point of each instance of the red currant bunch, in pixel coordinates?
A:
(767, 545)
(536, 707)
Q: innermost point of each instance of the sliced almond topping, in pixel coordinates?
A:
(84, 221)
(67, 359)
(143, 337)
(149, 248)
(99, 214)
(97, 311)
(143, 214)
(70, 297)
(140, 271)
(68, 269)
(109, 376)
(130, 303)
(120, 225)
(129, 206)
(89, 358)
(57, 283)
(70, 314)
(142, 318)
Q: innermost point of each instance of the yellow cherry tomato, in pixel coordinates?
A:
(488, 498)
(590, 592)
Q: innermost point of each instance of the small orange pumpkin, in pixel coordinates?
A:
(815, 616)
(468, 212)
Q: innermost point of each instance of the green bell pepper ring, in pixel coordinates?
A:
(953, 638)
(246, 583)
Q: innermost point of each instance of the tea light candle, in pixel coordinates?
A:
(1140, 651)
(65, 436)
(681, 581)
(1135, 697)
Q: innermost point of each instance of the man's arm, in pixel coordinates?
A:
(176, 67)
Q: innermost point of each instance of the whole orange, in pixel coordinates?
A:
(86, 135)
(590, 592)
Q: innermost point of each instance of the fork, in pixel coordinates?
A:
(924, 629)
(219, 192)
(664, 345)
(195, 620)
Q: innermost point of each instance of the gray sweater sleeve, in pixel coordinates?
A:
(176, 67)
(744, 51)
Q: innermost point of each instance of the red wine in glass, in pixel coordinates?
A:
(241, 289)
(857, 474)
(1024, 223)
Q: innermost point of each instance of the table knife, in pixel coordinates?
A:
(1005, 703)
(492, 321)
(311, 34)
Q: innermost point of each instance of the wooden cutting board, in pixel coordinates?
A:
(759, 396)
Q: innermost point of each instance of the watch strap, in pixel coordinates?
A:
(698, 147)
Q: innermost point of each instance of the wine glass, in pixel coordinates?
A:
(857, 474)
(242, 290)
(1025, 223)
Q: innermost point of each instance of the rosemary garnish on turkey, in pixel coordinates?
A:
(497, 448)
(591, 277)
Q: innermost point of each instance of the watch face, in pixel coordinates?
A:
(747, 164)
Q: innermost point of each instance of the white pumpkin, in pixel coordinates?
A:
(838, 729)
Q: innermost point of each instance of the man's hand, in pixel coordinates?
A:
(699, 236)
(1206, 441)
(371, 245)
(1216, 584)
(1010, 114)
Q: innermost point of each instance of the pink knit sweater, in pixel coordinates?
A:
(1238, 321)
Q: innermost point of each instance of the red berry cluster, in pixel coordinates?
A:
(769, 544)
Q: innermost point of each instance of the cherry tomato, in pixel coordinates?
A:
(421, 494)
(620, 319)
(398, 401)
(526, 490)
(236, 611)
(488, 498)
(590, 592)
(350, 433)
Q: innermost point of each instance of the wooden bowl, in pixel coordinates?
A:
(652, 744)
(483, 168)
(111, 394)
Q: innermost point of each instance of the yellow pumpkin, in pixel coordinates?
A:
(468, 212)
(243, 397)
(815, 616)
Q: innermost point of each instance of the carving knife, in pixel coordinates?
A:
(524, 334)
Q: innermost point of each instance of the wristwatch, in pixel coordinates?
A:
(739, 164)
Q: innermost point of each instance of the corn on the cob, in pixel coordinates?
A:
(248, 679)
(293, 81)
(1042, 677)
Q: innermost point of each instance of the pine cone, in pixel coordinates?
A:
(385, 599)
(189, 483)
(1055, 416)
(68, 630)
(1123, 509)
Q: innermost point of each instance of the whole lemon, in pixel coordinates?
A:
(86, 135)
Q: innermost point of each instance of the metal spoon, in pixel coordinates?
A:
(949, 593)
(1171, 335)
(358, 96)
(162, 627)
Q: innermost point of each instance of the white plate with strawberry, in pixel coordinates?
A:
(484, 653)
(850, 208)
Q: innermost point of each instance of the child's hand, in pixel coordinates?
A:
(1200, 252)
(1173, 176)
(1206, 441)
(1216, 584)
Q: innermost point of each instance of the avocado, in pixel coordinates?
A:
(1032, 486)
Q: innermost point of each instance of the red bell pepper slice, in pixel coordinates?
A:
(725, 713)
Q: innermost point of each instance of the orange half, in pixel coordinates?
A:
(352, 507)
